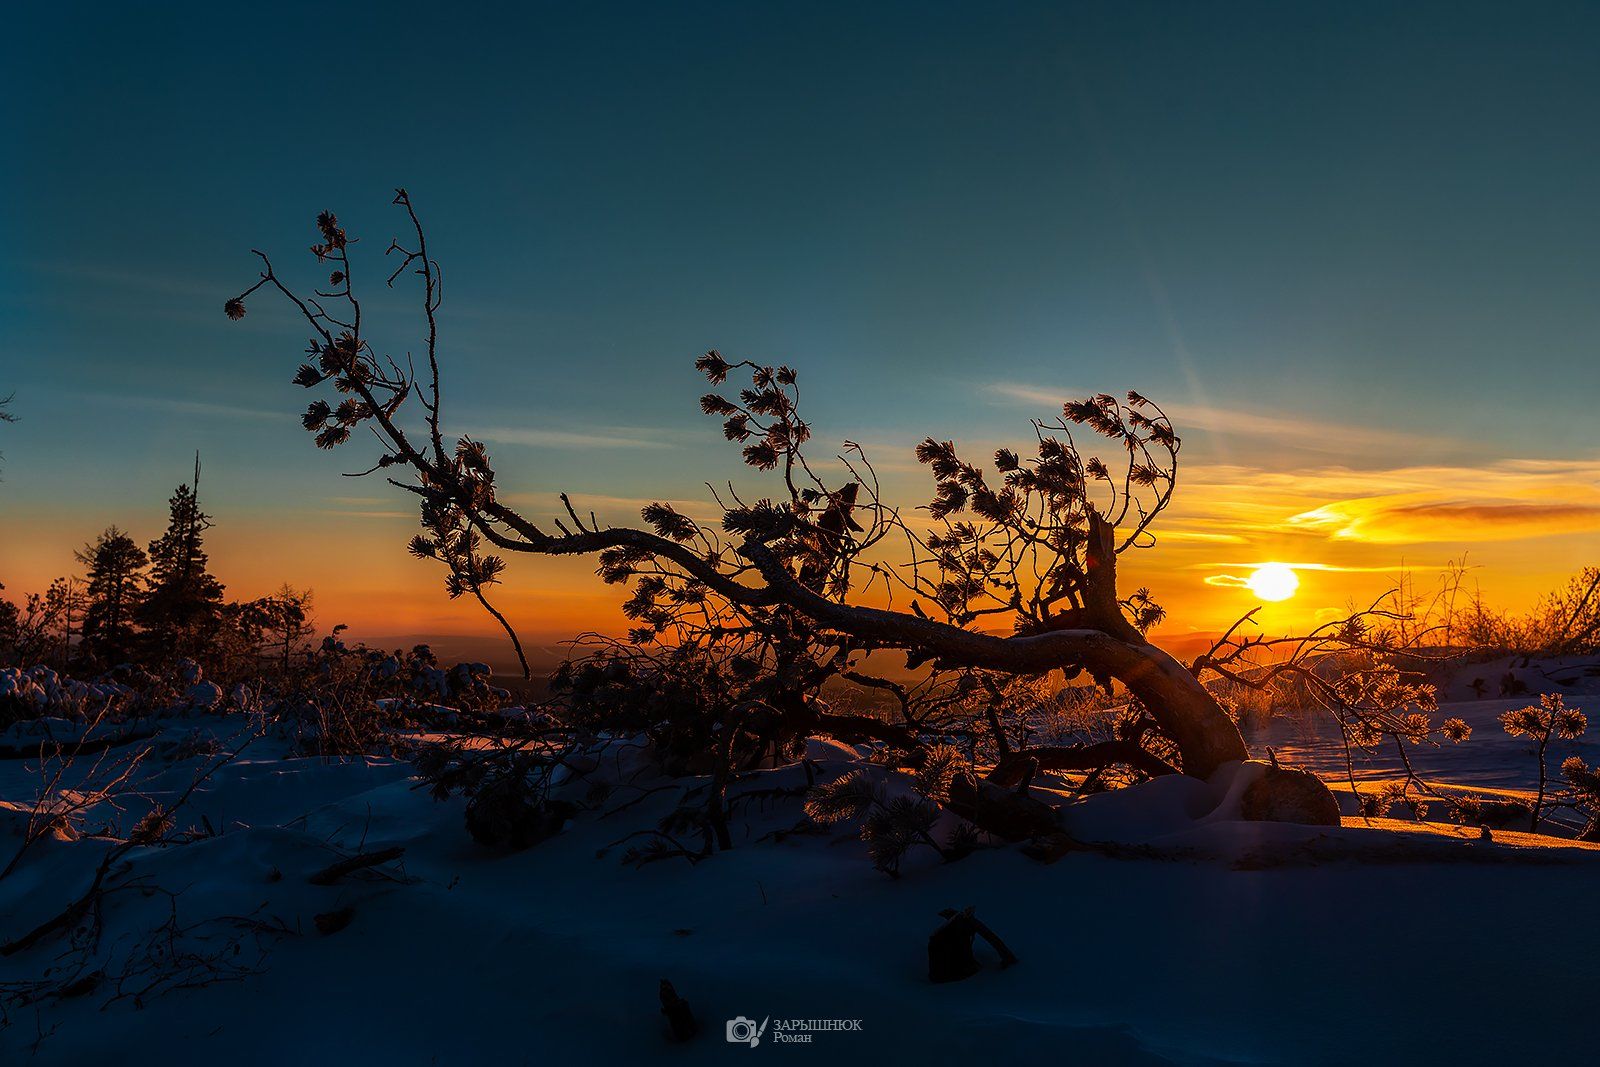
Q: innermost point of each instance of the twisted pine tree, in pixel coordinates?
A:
(1012, 574)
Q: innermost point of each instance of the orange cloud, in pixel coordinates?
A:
(1395, 521)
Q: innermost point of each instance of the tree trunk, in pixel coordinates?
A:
(1108, 646)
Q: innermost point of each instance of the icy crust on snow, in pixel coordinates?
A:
(1490, 764)
(1161, 808)
(455, 954)
(1187, 817)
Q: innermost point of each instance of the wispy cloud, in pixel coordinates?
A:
(1300, 431)
(1233, 581)
(543, 438)
(1503, 501)
(614, 510)
(99, 277)
(1405, 520)
(1197, 537)
(180, 406)
(369, 514)
(603, 437)
(1331, 568)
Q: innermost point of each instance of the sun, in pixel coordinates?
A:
(1273, 581)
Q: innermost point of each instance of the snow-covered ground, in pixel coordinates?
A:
(1491, 763)
(1202, 939)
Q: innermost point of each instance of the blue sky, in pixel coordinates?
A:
(1348, 217)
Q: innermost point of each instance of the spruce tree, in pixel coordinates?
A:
(183, 604)
(115, 564)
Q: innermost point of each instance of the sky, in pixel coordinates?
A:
(1351, 247)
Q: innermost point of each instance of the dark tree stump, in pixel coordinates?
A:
(331, 922)
(679, 1016)
(1007, 814)
(950, 957)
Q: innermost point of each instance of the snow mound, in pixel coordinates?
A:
(445, 952)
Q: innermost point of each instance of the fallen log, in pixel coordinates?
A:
(1005, 813)
(1012, 769)
(335, 871)
(77, 748)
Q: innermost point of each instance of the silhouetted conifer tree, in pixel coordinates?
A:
(181, 609)
(10, 629)
(291, 619)
(64, 602)
(116, 564)
(278, 625)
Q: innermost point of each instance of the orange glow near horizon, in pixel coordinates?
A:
(1289, 533)
(1208, 568)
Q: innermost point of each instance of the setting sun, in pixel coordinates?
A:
(1273, 581)
(724, 600)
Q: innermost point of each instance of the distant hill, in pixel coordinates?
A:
(545, 655)
(480, 648)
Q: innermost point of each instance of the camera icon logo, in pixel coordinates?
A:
(742, 1031)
